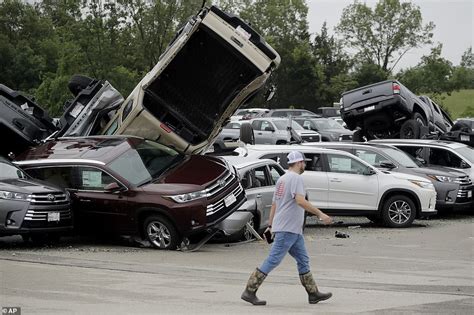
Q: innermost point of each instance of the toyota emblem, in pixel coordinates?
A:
(51, 197)
(221, 183)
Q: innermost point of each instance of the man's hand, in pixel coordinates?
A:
(325, 218)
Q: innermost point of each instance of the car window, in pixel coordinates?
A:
(232, 125)
(89, 178)
(280, 158)
(127, 109)
(283, 124)
(373, 158)
(59, 176)
(416, 152)
(315, 162)
(345, 164)
(444, 158)
(275, 173)
(256, 124)
(10, 171)
(305, 123)
(261, 176)
(466, 152)
(279, 114)
(246, 180)
(112, 128)
(266, 126)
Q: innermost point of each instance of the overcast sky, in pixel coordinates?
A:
(453, 20)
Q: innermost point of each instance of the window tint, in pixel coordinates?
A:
(345, 164)
(415, 152)
(59, 176)
(232, 125)
(261, 176)
(315, 164)
(256, 124)
(444, 158)
(127, 109)
(280, 158)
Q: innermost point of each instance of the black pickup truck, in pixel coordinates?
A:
(390, 110)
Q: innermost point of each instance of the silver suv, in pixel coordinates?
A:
(275, 131)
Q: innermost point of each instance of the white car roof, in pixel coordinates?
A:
(242, 162)
(450, 144)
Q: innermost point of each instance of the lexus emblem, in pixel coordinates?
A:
(51, 197)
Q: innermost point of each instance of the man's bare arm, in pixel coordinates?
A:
(305, 204)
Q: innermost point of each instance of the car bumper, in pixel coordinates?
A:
(235, 222)
(428, 203)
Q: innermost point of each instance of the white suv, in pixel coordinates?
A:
(342, 184)
(214, 65)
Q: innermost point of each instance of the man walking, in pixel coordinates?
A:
(286, 222)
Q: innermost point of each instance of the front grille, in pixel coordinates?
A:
(463, 180)
(48, 199)
(215, 207)
(42, 215)
(224, 181)
(314, 138)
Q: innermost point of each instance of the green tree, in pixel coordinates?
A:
(382, 35)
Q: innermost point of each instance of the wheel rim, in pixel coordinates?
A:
(247, 234)
(420, 120)
(159, 234)
(399, 212)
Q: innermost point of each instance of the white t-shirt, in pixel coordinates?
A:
(289, 217)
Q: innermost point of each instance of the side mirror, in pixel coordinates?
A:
(112, 187)
(369, 171)
(387, 164)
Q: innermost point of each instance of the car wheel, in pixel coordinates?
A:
(161, 233)
(419, 118)
(410, 130)
(398, 211)
(77, 83)
(246, 134)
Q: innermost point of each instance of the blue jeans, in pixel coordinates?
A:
(286, 242)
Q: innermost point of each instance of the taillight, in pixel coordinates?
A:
(396, 88)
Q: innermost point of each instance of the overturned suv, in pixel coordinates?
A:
(31, 208)
(215, 63)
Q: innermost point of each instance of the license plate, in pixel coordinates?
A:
(469, 194)
(464, 138)
(53, 216)
(229, 200)
(369, 108)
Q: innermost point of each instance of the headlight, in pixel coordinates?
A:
(444, 179)
(188, 197)
(13, 196)
(422, 184)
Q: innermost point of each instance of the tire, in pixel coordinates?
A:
(420, 119)
(78, 82)
(160, 232)
(281, 142)
(398, 211)
(410, 130)
(246, 234)
(246, 134)
(374, 218)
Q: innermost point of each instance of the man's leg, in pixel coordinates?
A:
(298, 251)
(281, 245)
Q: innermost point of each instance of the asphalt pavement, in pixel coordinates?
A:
(427, 269)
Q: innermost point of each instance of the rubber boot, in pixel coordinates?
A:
(314, 296)
(255, 280)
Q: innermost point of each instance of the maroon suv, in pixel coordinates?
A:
(133, 186)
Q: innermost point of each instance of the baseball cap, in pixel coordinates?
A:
(295, 156)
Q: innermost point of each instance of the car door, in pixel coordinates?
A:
(349, 188)
(263, 130)
(96, 207)
(316, 180)
(264, 192)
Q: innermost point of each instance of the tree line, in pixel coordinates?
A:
(44, 43)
